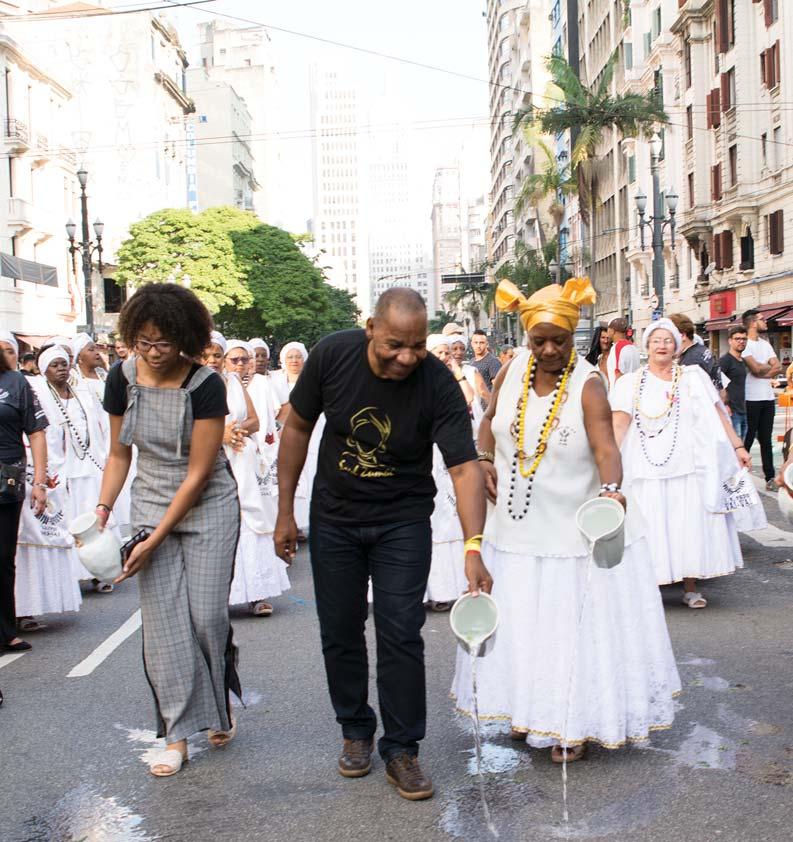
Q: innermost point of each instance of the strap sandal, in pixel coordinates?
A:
(166, 763)
(261, 608)
(694, 600)
(219, 739)
(573, 753)
(103, 587)
(29, 624)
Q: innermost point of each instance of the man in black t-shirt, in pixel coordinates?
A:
(734, 368)
(386, 402)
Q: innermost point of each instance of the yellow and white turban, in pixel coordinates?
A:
(553, 304)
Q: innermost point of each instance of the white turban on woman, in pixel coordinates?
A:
(80, 343)
(7, 336)
(292, 346)
(219, 339)
(662, 324)
(48, 356)
(435, 340)
(258, 342)
(64, 342)
(232, 344)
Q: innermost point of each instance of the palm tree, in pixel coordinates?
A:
(591, 112)
(555, 180)
(470, 297)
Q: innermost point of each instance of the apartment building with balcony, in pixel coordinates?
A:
(225, 166)
(38, 187)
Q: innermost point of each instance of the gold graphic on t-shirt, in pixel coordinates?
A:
(363, 459)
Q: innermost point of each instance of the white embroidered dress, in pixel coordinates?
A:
(615, 665)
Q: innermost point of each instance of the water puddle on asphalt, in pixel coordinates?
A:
(496, 759)
(83, 815)
(703, 748)
(152, 745)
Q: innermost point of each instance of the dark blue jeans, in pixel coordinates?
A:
(397, 557)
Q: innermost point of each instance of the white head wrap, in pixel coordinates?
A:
(257, 342)
(64, 342)
(434, 340)
(54, 352)
(238, 343)
(220, 340)
(7, 336)
(81, 341)
(662, 324)
(292, 346)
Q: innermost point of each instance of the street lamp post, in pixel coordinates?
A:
(86, 248)
(556, 269)
(658, 221)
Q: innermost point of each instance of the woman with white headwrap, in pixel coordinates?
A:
(74, 422)
(258, 573)
(88, 381)
(680, 455)
(46, 557)
(447, 581)
(292, 357)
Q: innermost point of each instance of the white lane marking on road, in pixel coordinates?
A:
(5, 660)
(106, 648)
(772, 536)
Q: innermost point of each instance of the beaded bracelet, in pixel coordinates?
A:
(610, 488)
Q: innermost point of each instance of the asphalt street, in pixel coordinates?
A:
(74, 749)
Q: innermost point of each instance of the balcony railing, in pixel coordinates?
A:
(16, 130)
(20, 214)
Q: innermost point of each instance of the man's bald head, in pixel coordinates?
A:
(403, 299)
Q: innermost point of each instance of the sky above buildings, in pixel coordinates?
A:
(445, 115)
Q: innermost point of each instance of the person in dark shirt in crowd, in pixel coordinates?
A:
(27, 365)
(484, 362)
(694, 352)
(734, 368)
(386, 401)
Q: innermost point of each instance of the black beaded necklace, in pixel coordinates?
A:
(82, 448)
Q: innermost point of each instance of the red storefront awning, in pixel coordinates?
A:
(778, 311)
(721, 324)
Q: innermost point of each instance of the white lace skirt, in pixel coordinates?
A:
(447, 580)
(258, 572)
(617, 669)
(45, 581)
(685, 540)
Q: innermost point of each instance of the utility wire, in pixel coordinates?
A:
(37, 17)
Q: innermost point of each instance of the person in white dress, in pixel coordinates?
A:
(581, 653)
(475, 380)
(447, 581)
(258, 573)
(679, 450)
(46, 557)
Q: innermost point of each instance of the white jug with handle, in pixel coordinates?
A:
(602, 523)
(99, 550)
(474, 619)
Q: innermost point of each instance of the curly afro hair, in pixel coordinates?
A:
(176, 311)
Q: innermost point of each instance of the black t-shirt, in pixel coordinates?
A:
(736, 390)
(20, 412)
(209, 399)
(375, 458)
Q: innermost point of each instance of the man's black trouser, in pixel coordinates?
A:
(397, 557)
(9, 527)
(760, 424)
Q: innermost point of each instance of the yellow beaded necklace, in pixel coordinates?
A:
(542, 443)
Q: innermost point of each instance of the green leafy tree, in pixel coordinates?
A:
(439, 322)
(472, 298)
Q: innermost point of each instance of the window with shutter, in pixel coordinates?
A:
(709, 111)
(726, 249)
(731, 23)
(726, 104)
(692, 198)
(777, 232)
(733, 155)
(777, 64)
(717, 182)
(717, 251)
(747, 251)
(715, 108)
(763, 78)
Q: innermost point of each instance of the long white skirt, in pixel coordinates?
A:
(447, 580)
(617, 668)
(258, 572)
(45, 581)
(686, 540)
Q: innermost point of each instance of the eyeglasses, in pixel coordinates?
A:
(656, 342)
(144, 346)
(238, 360)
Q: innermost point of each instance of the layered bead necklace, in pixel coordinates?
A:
(669, 415)
(558, 397)
(82, 449)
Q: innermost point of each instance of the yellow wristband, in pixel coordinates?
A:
(473, 544)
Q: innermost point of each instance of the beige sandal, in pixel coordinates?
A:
(694, 600)
(219, 739)
(573, 753)
(168, 762)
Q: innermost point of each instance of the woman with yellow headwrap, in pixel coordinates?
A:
(582, 653)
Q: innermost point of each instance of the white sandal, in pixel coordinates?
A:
(219, 739)
(694, 600)
(170, 759)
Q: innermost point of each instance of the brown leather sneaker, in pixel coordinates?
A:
(404, 772)
(356, 758)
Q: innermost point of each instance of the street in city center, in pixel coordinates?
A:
(75, 749)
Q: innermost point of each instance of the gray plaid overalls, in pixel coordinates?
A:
(188, 652)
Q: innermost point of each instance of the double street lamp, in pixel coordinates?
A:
(658, 221)
(86, 248)
(556, 269)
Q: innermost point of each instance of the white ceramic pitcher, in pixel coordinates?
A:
(99, 550)
(474, 619)
(602, 522)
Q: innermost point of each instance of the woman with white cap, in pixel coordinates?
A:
(46, 556)
(258, 572)
(88, 381)
(293, 357)
(447, 581)
(679, 450)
